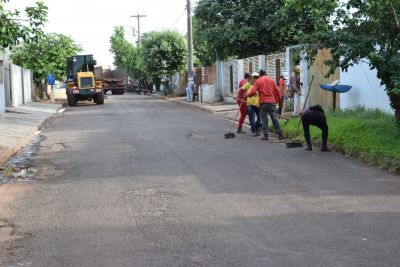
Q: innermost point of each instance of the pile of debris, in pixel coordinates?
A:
(17, 173)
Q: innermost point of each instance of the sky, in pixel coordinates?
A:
(90, 23)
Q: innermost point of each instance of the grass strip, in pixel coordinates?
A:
(370, 135)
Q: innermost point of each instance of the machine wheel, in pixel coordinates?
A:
(100, 99)
(71, 100)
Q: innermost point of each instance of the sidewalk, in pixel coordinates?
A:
(19, 125)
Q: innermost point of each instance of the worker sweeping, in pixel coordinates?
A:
(253, 105)
(315, 115)
(269, 95)
(242, 102)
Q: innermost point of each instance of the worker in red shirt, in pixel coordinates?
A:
(282, 88)
(241, 101)
(269, 95)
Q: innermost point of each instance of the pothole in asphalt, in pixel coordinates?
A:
(195, 135)
(54, 148)
(48, 171)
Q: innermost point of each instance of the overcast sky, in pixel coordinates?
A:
(91, 22)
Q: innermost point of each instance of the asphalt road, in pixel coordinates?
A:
(144, 182)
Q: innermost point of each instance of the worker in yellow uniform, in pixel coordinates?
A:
(253, 105)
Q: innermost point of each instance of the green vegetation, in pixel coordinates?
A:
(354, 30)
(237, 28)
(126, 55)
(53, 49)
(365, 29)
(164, 53)
(370, 135)
(8, 172)
(14, 29)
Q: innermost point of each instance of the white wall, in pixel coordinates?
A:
(27, 85)
(367, 90)
(16, 87)
(2, 92)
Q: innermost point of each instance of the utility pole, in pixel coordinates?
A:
(190, 39)
(138, 16)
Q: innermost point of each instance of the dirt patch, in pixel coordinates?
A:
(54, 148)
(8, 194)
(48, 171)
(10, 240)
(7, 231)
(196, 135)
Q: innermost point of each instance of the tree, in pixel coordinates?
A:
(126, 55)
(14, 29)
(164, 53)
(243, 28)
(203, 54)
(46, 56)
(366, 29)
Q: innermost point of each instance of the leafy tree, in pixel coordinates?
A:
(46, 56)
(14, 29)
(126, 55)
(203, 54)
(366, 29)
(164, 53)
(242, 28)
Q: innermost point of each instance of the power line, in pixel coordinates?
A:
(190, 39)
(138, 16)
(180, 16)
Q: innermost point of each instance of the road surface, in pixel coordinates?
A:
(143, 182)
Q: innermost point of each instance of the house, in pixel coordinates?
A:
(220, 82)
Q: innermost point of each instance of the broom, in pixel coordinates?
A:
(230, 134)
(294, 143)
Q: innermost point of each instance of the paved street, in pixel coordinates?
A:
(141, 181)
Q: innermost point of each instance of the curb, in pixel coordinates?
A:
(185, 104)
(205, 110)
(11, 151)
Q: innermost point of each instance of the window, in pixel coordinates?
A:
(86, 82)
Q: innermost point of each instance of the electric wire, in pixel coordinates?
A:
(179, 18)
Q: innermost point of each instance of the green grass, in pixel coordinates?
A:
(370, 135)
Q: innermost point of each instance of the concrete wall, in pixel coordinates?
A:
(2, 92)
(239, 67)
(16, 85)
(367, 90)
(270, 63)
(27, 85)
